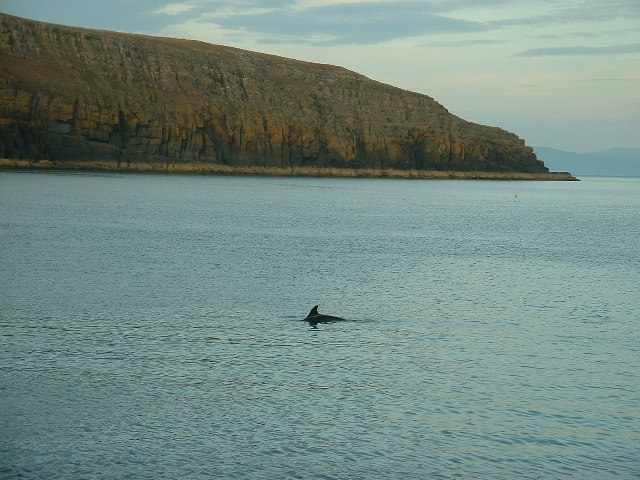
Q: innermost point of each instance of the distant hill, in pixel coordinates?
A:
(78, 95)
(615, 162)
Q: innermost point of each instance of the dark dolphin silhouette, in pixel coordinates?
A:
(315, 317)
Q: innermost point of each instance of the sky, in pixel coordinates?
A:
(559, 73)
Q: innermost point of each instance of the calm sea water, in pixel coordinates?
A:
(151, 328)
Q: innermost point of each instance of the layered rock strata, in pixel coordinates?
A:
(76, 95)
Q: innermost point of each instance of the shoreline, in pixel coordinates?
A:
(215, 169)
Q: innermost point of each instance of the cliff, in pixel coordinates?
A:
(72, 95)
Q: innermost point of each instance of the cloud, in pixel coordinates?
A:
(582, 50)
(607, 79)
(555, 36)
(175, 8)
(592, 34)
(463, 43)
(578, 11)
(350, 23)
(334, 22)
(372, 22)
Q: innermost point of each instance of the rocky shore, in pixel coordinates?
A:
(213, 169)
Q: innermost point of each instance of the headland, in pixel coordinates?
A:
(88, 99)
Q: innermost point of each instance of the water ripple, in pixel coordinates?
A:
(158, 331)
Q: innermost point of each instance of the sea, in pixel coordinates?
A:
(153, 327)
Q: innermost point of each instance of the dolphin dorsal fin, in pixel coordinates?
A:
(314, 312)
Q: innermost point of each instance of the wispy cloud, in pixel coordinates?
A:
(333, 22)
(579, 11)
(370, 22)
(582, 50)
(350, 23)
(175, 8)
(557, 36)
(607, 79)
(581, 34)
(463, 43)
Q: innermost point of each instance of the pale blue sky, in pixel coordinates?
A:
(562, 74)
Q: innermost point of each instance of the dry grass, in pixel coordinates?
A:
(209, 168)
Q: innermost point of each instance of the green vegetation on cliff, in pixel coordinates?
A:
(73, 96)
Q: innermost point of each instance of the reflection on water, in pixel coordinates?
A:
(154, 327)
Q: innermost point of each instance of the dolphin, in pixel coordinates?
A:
(315, 318)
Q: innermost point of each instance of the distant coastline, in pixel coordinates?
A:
(615, 162)
(214, 169)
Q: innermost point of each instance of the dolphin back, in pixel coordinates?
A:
(315, 317)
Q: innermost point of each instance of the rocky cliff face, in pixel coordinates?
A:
(72, 94)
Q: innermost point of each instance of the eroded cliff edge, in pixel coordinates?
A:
(71, 95)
